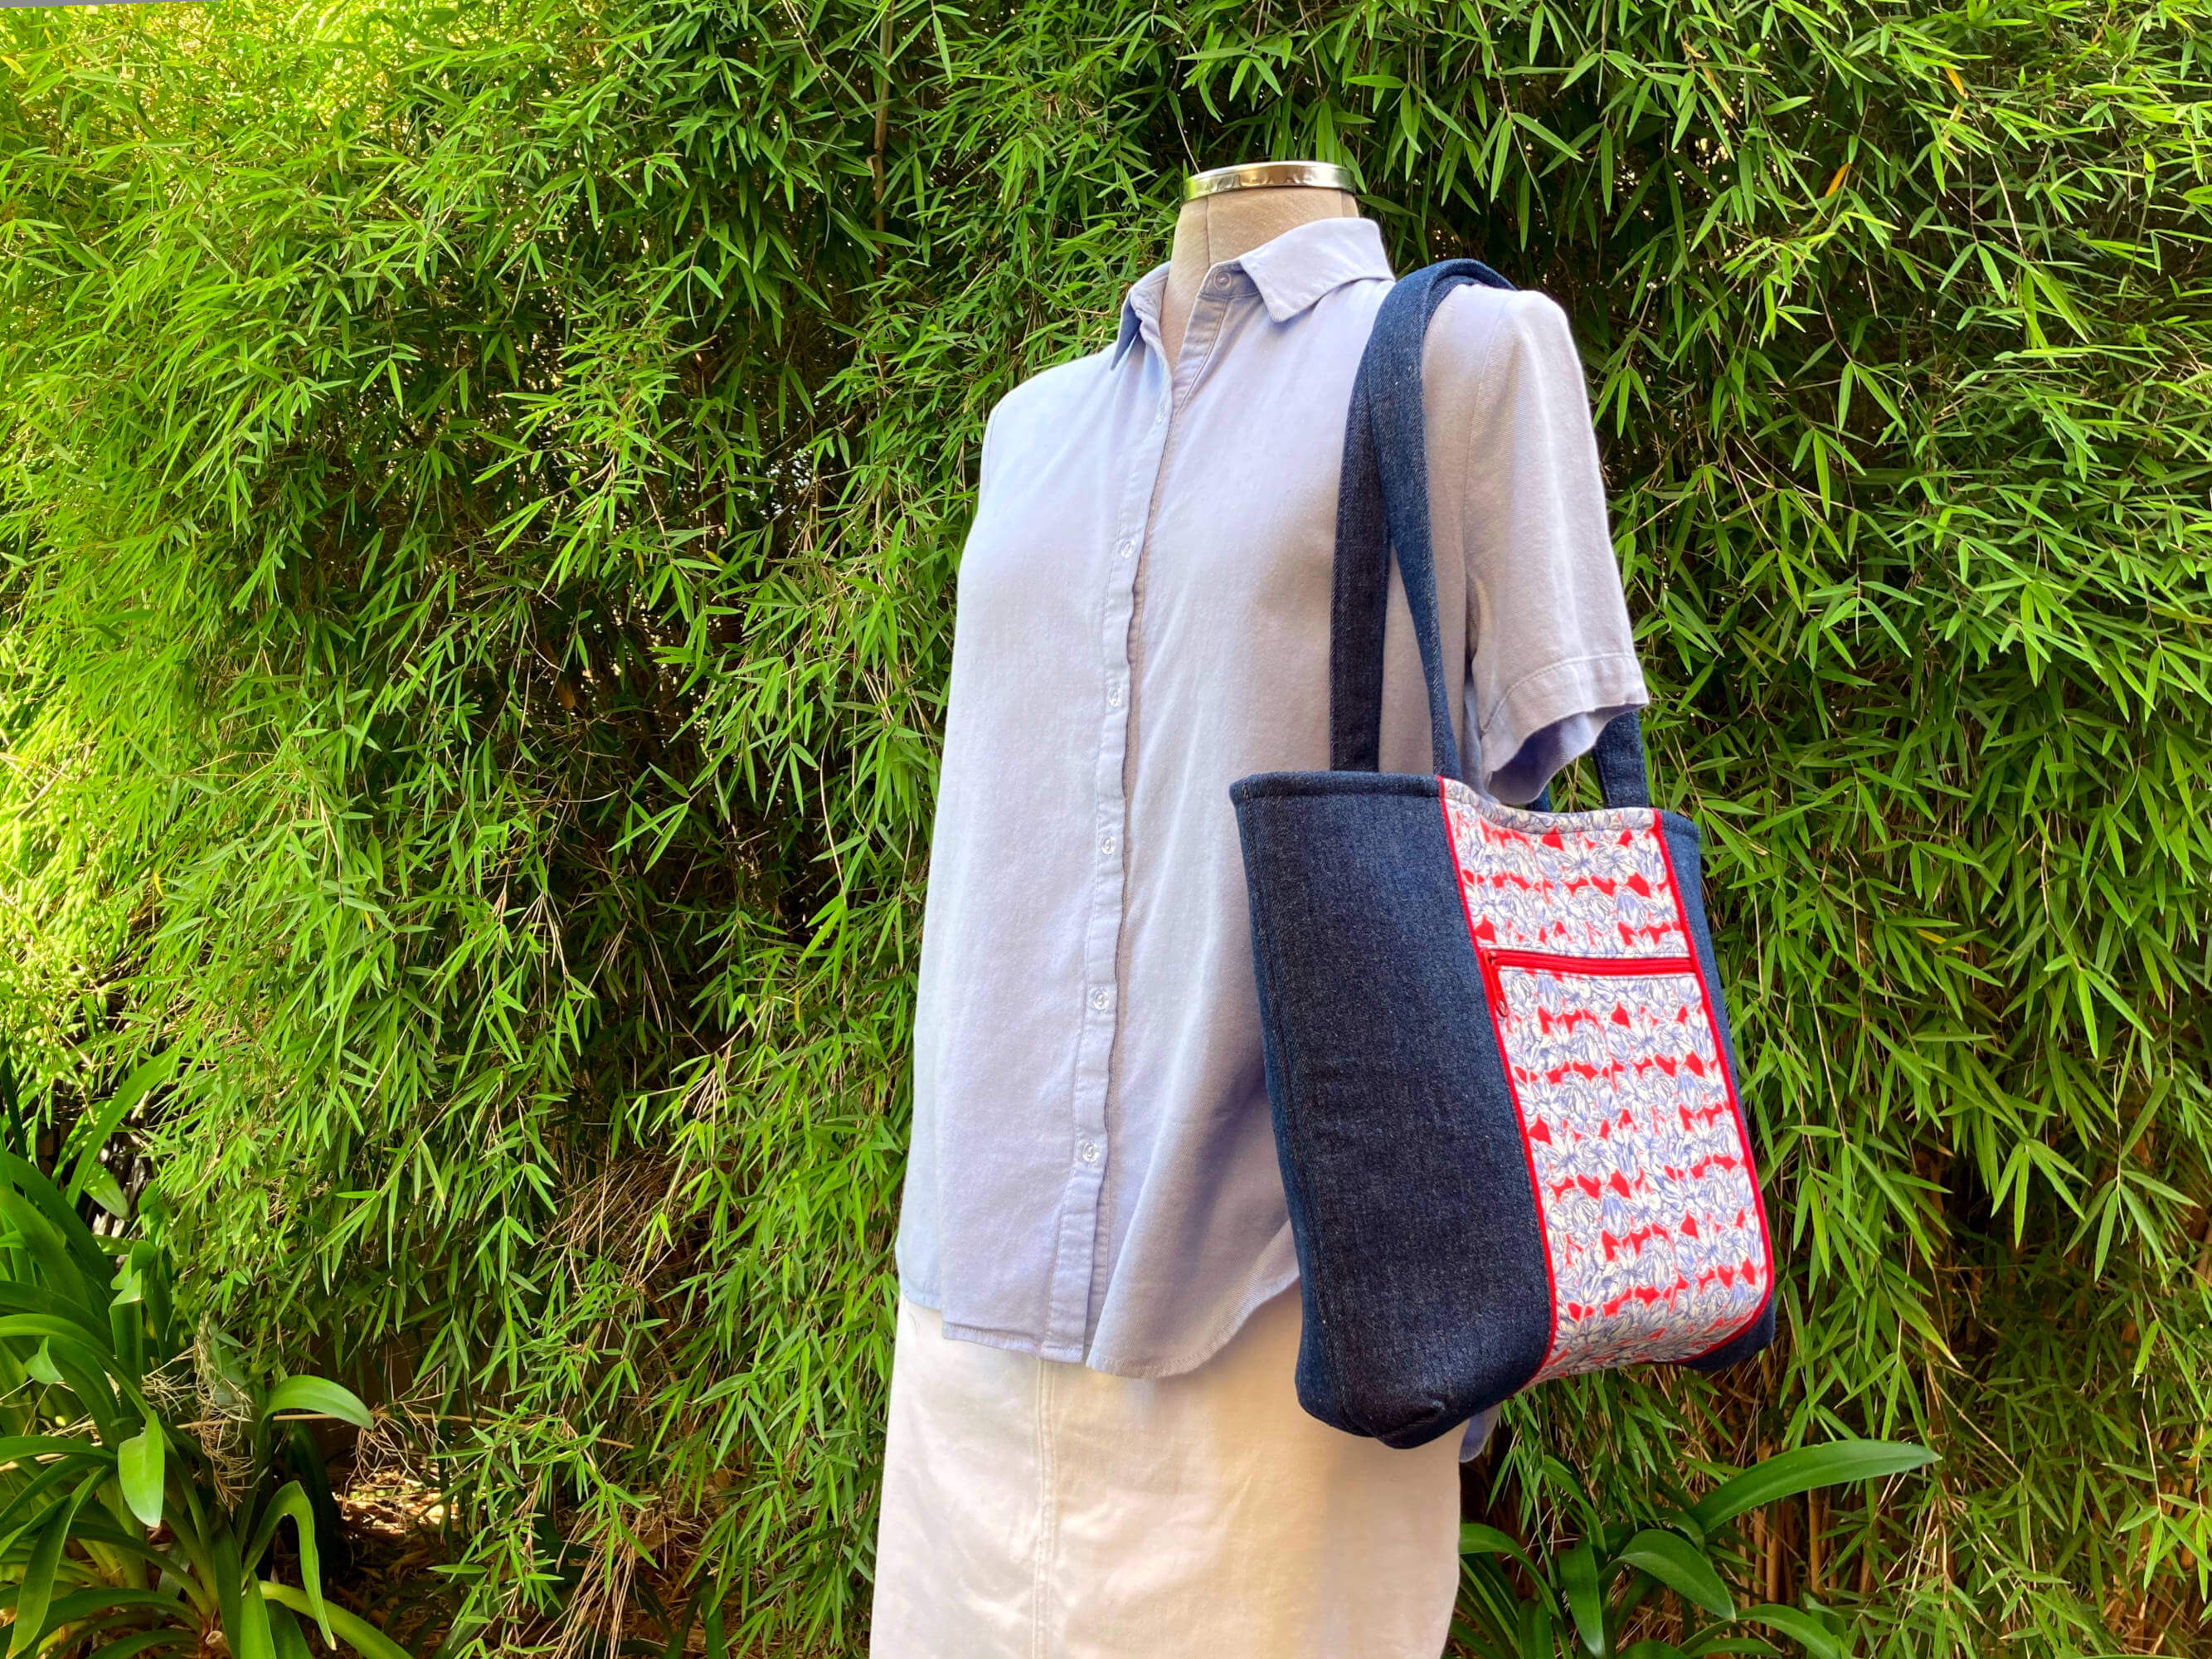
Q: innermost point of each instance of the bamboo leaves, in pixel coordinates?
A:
(480, 511)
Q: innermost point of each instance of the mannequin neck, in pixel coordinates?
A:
(1214, 229)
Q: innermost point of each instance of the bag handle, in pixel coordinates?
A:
(1383, 506)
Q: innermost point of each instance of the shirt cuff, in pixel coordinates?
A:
(1476, 1435)
(1548, 719)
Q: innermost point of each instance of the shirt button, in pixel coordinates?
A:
(1088, 1151)
(1114, 698)
(1101, 1000)
(1218, 281)
(1126, 550)
(1108, 845)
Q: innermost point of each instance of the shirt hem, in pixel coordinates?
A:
(1475, 1433)
(985, 1336)
(1191, 1358)
(1177, 1365)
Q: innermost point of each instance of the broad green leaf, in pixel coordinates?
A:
(31, 1503)
(64, 1359)
(126, 1338)
(44, 1326)
(52, 1230)
(291, 1503)
(1681, 1566)
(80, 1605)
(1804, 1470)
(225, 1577)
(1476, 1539)
(354, 1631)
(1537, 1641)
(252, 1638)
(31, 1299)
(1487, 1594)
(95, 1526)
(103, 1189)
(94, 1132)
(41, 1367)
(318, 1395)
(139, 1464)
(37, 1448)
(1585, 1601)
(150, 1273)
(1683, 1521)
(129, 1283)
(152, 1641)
(1652, 1650)
(88, 1376)
(38, 1581)
(1801, 1627)
(290, 1644)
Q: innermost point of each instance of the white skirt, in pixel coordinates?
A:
(1033, 1510)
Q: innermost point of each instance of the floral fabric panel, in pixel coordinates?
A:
(1599, 888)
(1650, 1207)
(1650, 1219)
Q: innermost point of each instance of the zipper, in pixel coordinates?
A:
(1632, 966)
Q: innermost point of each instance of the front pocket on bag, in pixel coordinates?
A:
(1636, 1152)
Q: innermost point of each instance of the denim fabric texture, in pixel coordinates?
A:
(1420, 1258)
(1373, 519)
(1426, 1284)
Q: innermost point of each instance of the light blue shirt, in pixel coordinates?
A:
(1143, 618)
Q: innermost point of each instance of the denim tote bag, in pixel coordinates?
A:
(1497, 1055)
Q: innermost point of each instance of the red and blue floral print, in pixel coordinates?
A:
(1653, 1230)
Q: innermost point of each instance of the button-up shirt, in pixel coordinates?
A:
(1143, 618)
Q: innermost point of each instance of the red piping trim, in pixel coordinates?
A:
(1736, 1104)
(1528, 1158)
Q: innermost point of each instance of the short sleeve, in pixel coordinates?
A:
(1552, 657)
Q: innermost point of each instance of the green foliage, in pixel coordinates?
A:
(122, 1532)
(479, 491)
(1591, 1596)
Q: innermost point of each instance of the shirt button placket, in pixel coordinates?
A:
(1090, 1144)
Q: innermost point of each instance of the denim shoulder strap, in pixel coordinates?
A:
(1382, 505)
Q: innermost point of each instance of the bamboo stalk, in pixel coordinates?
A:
(1774, 1558)
(876, 169)
(1815, 1519)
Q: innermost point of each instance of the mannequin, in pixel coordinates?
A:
(1228, 211)
(1094, 1443)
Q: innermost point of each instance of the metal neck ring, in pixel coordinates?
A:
(1267, 175)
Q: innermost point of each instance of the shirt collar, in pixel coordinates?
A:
(1291, 272)
(1140, 311)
